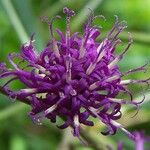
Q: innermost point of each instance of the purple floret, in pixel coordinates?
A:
(74, 77)
(138, 138)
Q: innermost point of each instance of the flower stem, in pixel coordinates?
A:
(14, 19)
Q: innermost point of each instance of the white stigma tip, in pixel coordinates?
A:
(73, 92)
(113, 63)
(93, 86)
(125, 82)
(90, 68)
(50, 109)
(115, 77)
(29, 90)
(76, 120)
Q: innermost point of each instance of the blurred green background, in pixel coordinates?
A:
(19, 19)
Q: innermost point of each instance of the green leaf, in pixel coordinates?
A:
(12, 110)
(17, 143)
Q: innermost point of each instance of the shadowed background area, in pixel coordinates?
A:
(19, 19)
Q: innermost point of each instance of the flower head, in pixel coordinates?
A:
(74, 77)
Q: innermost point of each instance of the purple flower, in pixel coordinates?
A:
(74, 77)
(139, 140)
(137, 137)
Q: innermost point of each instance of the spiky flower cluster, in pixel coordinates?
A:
(74, 77)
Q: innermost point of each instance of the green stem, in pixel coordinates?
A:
(14, 19)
